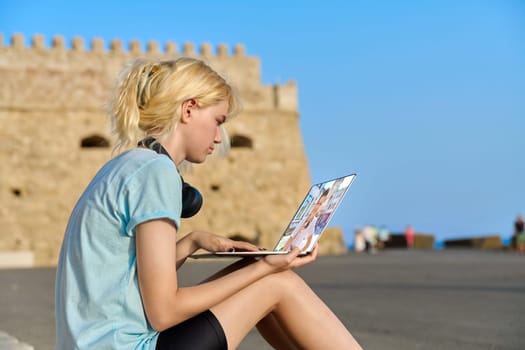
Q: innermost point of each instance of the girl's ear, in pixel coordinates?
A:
(187, 108)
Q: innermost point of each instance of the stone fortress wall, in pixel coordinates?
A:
(54, 136)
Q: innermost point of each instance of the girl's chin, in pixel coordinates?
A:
(196, 160)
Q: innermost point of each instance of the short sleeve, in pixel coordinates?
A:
(154, 191)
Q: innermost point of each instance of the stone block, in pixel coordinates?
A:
(16, 259)
(421, 241)
(487, 242)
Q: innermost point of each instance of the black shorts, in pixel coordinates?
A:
(201, 332)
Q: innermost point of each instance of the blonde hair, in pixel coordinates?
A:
(149, 95)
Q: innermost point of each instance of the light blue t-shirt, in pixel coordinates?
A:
(98, 304)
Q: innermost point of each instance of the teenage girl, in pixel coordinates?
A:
(117, 285)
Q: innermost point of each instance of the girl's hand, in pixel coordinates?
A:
(291, 260)
(215, 243)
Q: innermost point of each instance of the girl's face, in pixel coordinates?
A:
(203, 130)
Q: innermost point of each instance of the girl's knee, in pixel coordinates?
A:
(287, 281)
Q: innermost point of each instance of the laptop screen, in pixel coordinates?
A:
(314, 214)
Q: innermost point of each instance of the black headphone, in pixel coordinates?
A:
(191, 197)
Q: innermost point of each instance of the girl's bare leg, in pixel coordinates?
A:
(272, 331)
(299, 312)
(268, 327)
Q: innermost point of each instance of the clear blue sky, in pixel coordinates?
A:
(425, 100)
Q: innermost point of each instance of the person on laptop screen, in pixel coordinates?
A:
(302, 238)
(116, 285)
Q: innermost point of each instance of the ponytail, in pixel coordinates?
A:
(128, 99)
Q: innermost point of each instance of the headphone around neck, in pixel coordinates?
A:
(191, 197)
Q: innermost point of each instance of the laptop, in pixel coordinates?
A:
(307, 224)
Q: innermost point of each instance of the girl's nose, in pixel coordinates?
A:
(218, 136)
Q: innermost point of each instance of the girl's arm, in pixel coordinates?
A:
(164, 302)
(195, 240)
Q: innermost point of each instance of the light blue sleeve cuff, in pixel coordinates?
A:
(130, 228)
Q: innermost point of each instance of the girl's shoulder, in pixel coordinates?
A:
(136, 165)
(139, 158)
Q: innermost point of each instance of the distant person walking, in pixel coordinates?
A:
(383, 236)
(519, 233)
(359, 241)
(409, 236)
(370, 235)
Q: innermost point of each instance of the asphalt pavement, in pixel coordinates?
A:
(395, 299)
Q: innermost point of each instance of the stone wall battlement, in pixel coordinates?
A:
(135, 47)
